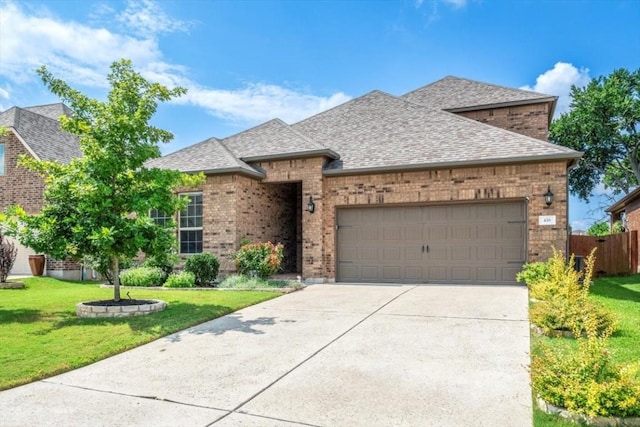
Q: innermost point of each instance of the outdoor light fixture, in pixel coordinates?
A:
(548, 196)
(310, 205)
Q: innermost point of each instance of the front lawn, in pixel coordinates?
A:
(41, 336)
(622, 296)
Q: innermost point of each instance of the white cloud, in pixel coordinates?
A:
(148, 18)
(80, 53)
(257, 102)
(558, 81)
(581, 224)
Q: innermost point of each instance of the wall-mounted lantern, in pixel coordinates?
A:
(311, 207)
(548, 196)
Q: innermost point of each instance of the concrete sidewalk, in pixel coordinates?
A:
(330, 355)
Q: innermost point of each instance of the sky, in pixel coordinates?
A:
(246, 62)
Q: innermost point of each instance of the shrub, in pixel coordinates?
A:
(102, 264)
(533, 272)
(204, 267)
(142, 276)
(586, 382)
(245, 282)
(184, 279)
(564, 299)
(8, 254)
(165, 262)
(259, 259)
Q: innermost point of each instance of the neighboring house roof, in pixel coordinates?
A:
(271, 140)
(42, 134)
(378, 132)
(621, 205)
(53, 111)
(381, 131)
(458, 94)
(209, 156)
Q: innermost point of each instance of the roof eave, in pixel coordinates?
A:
(23, 142)
(569, 157)
(549, 99)
(221, 171)
(621, 204)
(326, 152)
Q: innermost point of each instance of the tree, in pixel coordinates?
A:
(98, 204)
(604, 123)
(599, 229)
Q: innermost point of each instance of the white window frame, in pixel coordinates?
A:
(160, 216)
(192, 228)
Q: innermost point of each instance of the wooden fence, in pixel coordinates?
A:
(616, 254)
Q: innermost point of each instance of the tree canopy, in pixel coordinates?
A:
(98, 204)
(604, 123)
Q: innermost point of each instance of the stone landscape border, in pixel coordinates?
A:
(87, 310)
(580, 418)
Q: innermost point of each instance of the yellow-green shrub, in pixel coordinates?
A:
(563, 300)
(586, 381)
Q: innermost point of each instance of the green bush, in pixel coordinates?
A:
(259, 259)
(534, 272)
(563, 299)
(165, 262)
(245, 282)
(102, 265)
(142, 276)
(204, 267)
(184, 279)
(585, 381)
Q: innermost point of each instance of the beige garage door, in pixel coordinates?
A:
(465, 243)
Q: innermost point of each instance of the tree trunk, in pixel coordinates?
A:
(116, 278)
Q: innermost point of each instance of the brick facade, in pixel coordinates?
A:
(515, 182)
(530, 120)
(19, 186)
(632, 215)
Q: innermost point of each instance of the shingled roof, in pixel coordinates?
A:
(274, 139)
(209, 156)
(456, 94)
(41, 133)
(378, 132)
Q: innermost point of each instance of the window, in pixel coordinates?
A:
(1, 159)
(190, 222)
(160, 217)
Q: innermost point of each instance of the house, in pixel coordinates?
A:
(33, 131)
(627, 210)
(454, 182)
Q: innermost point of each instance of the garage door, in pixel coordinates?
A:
(462, 243)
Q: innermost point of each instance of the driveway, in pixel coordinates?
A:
(329, 355)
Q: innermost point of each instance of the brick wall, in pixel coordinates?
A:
(530, 120)
(514, 182)
(270, 212)
(632, 214)
(309, 173)
(19, 186)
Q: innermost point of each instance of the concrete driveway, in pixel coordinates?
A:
(330, 355)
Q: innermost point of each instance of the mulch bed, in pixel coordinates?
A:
(122, 302)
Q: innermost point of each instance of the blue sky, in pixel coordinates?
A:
(245, 62)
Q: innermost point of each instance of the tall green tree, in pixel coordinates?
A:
(98, 204)
(604, 123)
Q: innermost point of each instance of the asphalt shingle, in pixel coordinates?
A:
(210, 155)
(380, 131)
(42, 134)
(272, 139)
(452, 93)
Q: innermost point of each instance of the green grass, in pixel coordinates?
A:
(622, 296)
(41, 336)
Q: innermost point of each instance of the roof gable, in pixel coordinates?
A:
(454, 93)
(272, 139)
(53, 111)
(42, 135)
(207, 156)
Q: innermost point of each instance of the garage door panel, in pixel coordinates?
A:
(461, 274)
(369, 253)
(483, 242)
